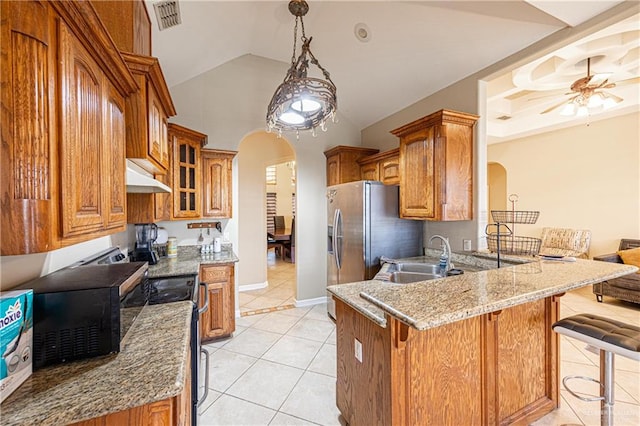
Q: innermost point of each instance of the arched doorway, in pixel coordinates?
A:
(497, 186)
(256, 151)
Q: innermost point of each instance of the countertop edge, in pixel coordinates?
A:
(490, 307)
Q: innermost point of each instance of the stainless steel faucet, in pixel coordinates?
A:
(447, 249)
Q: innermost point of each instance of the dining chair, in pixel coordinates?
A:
(290, 246)
(278, 222)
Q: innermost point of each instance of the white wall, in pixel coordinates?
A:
(15, 270)
(229, 104)
(583, 177)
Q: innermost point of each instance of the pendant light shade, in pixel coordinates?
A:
(302, 102)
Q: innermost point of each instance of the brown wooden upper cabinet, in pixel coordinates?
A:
(147, 113)
(186, 178)
(384, 167)
(217, 183)
(436, 167)
(341, 163)
(63, 127)
(128, 24)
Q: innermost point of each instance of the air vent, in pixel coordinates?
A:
(504, 117)
(168, 14)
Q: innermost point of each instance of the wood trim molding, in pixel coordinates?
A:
(179, 130)
(150, 66)
(439, 117)
(85, 23)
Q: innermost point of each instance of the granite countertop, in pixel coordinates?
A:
(189, 260)
(151, 366)
(429, 304)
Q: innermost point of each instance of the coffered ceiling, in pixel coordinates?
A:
(531, 98)
(413, 48)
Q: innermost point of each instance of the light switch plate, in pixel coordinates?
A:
(358, 349)
(466, 245)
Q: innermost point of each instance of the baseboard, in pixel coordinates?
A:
(311, 302)
(256, 286)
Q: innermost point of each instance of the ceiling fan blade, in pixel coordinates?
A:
(557, 105)
(599, 79)
(633, 80)
(612, 96)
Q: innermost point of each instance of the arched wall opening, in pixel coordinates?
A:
(497, 187)
(255, 152)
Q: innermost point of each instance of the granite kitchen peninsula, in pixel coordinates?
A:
(469, 349)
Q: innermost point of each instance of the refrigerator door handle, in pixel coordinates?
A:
(337, 232)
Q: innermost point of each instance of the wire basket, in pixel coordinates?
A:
(514, 244)
(515, 216)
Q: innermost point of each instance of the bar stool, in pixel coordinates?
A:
(610, 337)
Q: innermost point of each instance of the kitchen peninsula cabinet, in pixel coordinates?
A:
(220, 319)
(217, 183)
(186, 178)
(384, 167)
(63, 128)
(341, 163)
(436, 167)
(471, 349)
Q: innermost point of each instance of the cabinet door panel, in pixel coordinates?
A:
(369, 172)
(80, 136)
(158, 142)
(216, 183)
(219, 319)
(114, 154)
(417, 176)
(389, 171)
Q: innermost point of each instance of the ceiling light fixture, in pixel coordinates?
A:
(589, 95)
(302, 102)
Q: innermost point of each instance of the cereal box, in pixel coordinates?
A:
(16, 339)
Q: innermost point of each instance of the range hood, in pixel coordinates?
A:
(139, 182)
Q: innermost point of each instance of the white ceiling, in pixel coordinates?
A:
(416, 47)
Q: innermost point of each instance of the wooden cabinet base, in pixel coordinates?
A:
(219, 320)
(499, 368)
(171, 411)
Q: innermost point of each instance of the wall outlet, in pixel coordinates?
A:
(358, 349)
(226, 236)
(466, 245)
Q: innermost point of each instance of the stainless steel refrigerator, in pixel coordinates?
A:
(364, 225)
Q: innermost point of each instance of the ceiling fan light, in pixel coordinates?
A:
(568, 109)
(583, 111)
(595, 101)
(610, 102)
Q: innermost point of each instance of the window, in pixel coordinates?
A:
(271, 210)
(271, 175)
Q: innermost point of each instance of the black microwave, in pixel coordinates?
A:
(85, 311)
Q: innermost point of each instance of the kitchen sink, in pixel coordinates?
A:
(422, 268)
(405, 277)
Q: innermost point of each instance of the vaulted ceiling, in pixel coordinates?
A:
(413, 49)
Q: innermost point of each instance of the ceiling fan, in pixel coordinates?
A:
(587, 93)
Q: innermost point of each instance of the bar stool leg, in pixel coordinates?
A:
(607, 386)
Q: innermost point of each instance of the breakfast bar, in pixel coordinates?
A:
(475, 348)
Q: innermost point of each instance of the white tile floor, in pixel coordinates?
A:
(280, 369)
(281, 291)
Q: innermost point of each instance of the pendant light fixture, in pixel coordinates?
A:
(302, 102)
